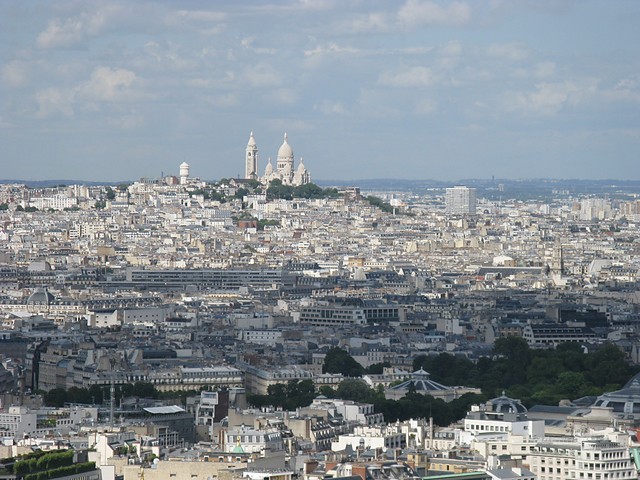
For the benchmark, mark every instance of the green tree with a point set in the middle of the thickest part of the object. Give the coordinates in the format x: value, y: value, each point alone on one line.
x: 56, y: 397
x: 241, y: 193
x: 338, y: 360
x: 357, y: 390
x: 377, y: 368
x: 570, y: 383
x: 607, y: 365
x: 144, y: 390
x: 278, y: 190
x: 379, y: 203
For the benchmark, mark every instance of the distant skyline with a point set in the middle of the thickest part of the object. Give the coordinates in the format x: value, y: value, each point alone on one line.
x: 411, y: 89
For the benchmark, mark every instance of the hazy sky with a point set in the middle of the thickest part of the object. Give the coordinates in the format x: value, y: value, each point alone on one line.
x: 421, y: 89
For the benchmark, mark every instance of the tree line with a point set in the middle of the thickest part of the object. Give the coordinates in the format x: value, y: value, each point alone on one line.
x: 531, y: 375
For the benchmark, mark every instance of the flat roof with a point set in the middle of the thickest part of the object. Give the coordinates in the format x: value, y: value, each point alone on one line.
x: 164, y: 410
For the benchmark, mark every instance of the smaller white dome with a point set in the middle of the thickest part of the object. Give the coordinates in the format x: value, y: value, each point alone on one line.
x: 252, y: 141
x: 269, y: 169
x: 184, y: 165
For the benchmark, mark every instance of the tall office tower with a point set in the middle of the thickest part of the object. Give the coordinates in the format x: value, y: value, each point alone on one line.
x: 251, y: 165
x: 461, y: 200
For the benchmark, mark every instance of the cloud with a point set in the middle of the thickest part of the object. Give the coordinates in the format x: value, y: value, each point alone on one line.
x: 206, y: 22
x: 412, y: 77
x: 108, y: 85
x: 5, y: 124
x: 329, y: 49
x: 70, y: 31
x: 247, y: 43
x: 262, y: 75
x: 416, y: 13
x: 14, y: 74
x: 625, y: 90
x: 370, y: 22
x: 507, y: 51
x: 550, y: 98
x: 52, y: 101
x: 331, y: 108
x: 544, y: 69
x: 129, y: 121
x: 424, y: 107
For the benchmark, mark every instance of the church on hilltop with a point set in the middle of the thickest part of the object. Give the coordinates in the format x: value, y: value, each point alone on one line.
x: 285, y: 170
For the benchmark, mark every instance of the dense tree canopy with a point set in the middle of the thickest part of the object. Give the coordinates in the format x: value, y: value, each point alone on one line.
x: 288, y: 192
x: 289, y: 395
x: 534, y: 376
x: 338, y: 360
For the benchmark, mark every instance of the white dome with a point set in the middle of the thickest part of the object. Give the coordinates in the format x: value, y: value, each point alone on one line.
x: 269, y: 169
x: 252, y: 141
x: 184, y: 165
x: 285, y: 150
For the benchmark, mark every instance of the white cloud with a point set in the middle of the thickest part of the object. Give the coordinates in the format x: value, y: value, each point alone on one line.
x: 424, y: 107
x: 550, y: 98
x: 129, y: 121
x: 105, y: 85
x: 70, y: 31
x: 329, y: 49
x: 412, y: 77
x: 315, y: 4
x: 205, y: 22
x: 451, y: 49
x: 108, y: 85
x: 53, y: 101
x: 223, y: 100
x: 262, y: 75
x: 626, y: 90
x: 416, y: 12
x: 544, y: 69
x: 507, y: 51
x: 331, y: 108
x: 14, y: 74
x: 370, y: 22
x: 248, y: 44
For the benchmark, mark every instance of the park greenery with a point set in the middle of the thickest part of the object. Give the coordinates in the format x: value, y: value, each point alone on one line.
x: 531, y: 375
x: 278, y: 190
x: 43, y: 465
x: 219, y: 191
x: 98, y: 394
x: 379, y: 203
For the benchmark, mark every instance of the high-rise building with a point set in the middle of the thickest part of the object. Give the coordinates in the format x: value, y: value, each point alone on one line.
x: 251, y: 165
x: 460, y: 200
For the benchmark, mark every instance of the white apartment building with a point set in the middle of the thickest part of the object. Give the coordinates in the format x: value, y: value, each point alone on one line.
x: 260, y: 336
x: 370, y: 438
x: 18, y: 422
x: 245, y: 439
x: 598, y: 457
